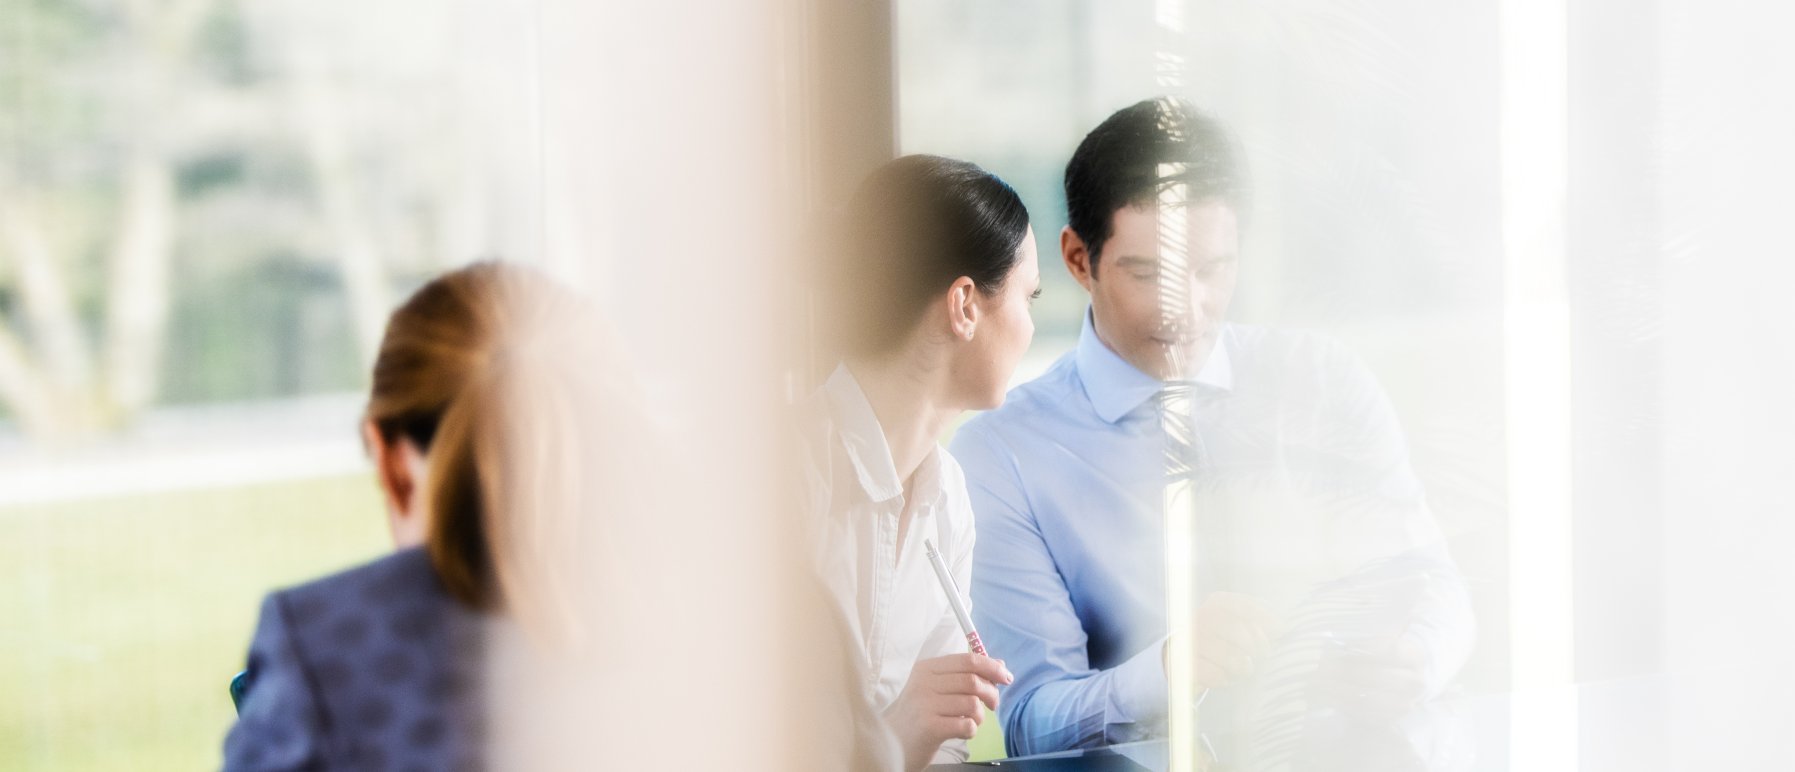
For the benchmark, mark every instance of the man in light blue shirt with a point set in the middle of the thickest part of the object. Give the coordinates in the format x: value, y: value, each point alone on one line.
x: 1305, y: 504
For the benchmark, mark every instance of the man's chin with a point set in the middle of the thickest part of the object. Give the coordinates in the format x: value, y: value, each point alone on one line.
x: 1178, y: 360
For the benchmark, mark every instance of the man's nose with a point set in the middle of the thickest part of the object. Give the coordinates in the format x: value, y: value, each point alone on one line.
x: 1183, y: 307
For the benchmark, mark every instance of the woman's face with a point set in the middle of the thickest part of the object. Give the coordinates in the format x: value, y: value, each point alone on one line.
x: 1003, y: 331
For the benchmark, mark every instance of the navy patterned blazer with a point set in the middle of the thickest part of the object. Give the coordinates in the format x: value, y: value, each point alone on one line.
x: 373, y: 668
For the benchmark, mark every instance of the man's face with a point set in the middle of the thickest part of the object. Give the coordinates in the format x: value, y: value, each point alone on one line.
x: 1156, y: 302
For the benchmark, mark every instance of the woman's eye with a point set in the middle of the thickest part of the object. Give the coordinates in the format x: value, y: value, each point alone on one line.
x: 1036, y: 295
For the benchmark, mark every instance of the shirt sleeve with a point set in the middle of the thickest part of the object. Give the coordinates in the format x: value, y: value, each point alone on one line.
x: 1396, y: 521
x: 278, y: 725
x: 1026, y: 617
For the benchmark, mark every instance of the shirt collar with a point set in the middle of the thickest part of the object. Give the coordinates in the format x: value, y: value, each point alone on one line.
x: 1116, y: 387
x: 864, y: 440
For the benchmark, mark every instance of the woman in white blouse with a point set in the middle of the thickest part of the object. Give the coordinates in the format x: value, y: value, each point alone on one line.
x: 933, y: 273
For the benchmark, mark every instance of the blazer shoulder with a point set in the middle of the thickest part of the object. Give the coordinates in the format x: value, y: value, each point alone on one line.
x: 338, y: 622
x: 382, y: 649
x: 396, y: 579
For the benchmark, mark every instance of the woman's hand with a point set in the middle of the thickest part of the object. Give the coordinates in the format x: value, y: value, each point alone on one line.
x: 945, y: 698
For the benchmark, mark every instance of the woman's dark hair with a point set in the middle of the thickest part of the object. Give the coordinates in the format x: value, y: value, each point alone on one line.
x: 914, y: 226
x: 1141, y: 150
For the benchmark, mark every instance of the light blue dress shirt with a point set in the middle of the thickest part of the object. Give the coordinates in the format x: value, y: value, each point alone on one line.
x: 1067, y: 480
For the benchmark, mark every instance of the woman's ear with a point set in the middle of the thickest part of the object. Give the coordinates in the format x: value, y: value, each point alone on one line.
x: 399, y: 468
x: 962, y: 308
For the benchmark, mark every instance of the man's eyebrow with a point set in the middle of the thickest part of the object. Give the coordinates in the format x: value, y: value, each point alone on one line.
x: 1136, y: 261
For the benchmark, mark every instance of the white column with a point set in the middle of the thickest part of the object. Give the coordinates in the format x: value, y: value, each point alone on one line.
x: 1537, y: 367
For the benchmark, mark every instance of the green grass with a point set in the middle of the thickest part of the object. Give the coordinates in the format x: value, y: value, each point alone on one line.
x: 988, y: 743
x: 122, y: 620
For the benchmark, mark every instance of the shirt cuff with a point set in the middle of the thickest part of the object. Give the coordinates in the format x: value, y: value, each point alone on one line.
x: 1138, y: 689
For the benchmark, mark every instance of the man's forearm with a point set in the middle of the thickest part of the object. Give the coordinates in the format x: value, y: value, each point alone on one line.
x: 1121, y: 704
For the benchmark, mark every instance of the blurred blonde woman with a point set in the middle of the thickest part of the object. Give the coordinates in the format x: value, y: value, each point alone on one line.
x: 474, y: 427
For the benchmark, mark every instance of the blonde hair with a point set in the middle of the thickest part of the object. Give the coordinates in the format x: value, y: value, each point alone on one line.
x: 481, y: 368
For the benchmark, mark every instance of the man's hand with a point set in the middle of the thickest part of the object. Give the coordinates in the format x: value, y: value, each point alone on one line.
x: 1233, y: 632
x: 1379, y: 682
x: 945, y: 698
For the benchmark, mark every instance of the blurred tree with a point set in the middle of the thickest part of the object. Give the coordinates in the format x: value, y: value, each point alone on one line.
x: 170, y: 159
x: 53, y: 381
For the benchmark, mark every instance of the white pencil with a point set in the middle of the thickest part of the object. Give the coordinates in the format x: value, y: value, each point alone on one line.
x: 953, y: 598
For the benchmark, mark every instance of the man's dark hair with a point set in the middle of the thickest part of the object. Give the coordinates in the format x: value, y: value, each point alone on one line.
x: 1119, y: 165
x: 914, y: 226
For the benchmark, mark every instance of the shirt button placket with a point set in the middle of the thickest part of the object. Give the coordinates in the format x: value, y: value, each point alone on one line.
x: 882, y: 588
